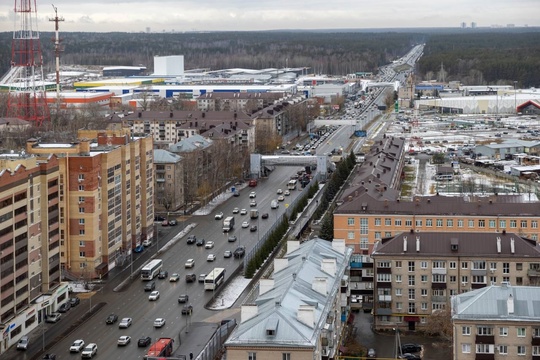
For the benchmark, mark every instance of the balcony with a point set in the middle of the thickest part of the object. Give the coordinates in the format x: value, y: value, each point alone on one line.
x: 535, y: 340
x: 485, y: 339
x: 477, y: 285
x: 533, y: 272
x: 440, y: 285
x: 484, y: 357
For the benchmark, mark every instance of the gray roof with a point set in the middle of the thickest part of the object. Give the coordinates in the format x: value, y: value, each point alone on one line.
x: 439, y: 244
x: 165, y: 157
x: 194, y: 142
x: 491, y: 303
x: 278, y: 307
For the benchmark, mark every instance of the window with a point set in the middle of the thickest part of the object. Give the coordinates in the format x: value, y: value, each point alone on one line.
x: 412, y: 308
x: 439, y: 278
x: 81, y: 187
x: 506, y: 268
x: 423, y: 306
x: 350, y: 235
x: 398, y: 278
x: 521, y: 350
x: 412, y: 295
x: 484, y: 330
x: 399, y: 306
x: 411, y: 266
x: 364, y: 243
x: 388, y: 222
x: 377, y: 221
x: 519, y: 266
x: 81, y: 176
x: 534, y: 224
x: 464, y: 279
x: 364, y: 229
x: 503, y: 349
x: 502, y: 224
x: 492, y: 266
x: 460, y: 223
x: 481, y: 223
x: 411, y: 280
x: 377, y: 235
x: 81, y: 221
x: 492, y: 224
x: 398, y: 292
x: 408, y: 222
x: 452, y: 265
x: 397, y: 222
x: 398, y: 264
x: 82, y: 243
x: 466, y: 348
x: 423, y: 264
x: 521, y: 332
x: 478, y: 265
x: 286, y: 356
x: 464, y: 265
x: 439, y: 265
x: 536, y: 350
x: 485, y: 348
x: 423, y: 292
x: 449, y: 222
x: 423, y: 278
x: 384, y: 277
x: 429, y: 222
x: 503, y: 331
x: 387, y: 234
x: 452, y: 278
x: 465, y: 330
x: 252, y: 356
x: 471, y: 223
x: 513, y: 224
x: 82, y: 254
x: 439, y: 222
x: 350, y: 221
x: 81, y: 199
x: 81, y: 232
x: 383, y: 264
x: 523, y: 223
x: 419, y: 223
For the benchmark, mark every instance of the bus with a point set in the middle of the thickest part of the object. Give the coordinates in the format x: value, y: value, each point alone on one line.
x: 214, y: 279
x: 150, y: 270
x: 163, y: 347
x: 292, y: 184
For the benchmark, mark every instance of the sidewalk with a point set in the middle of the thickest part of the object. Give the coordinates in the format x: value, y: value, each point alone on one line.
x: 194, y: 338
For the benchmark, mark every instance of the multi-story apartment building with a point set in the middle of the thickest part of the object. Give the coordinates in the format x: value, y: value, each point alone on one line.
x: 497, y: 322
x: 30, y: 275
x: 417, y: 273
x: 237, y: 101
x: 106, y: 196
x: 169, y: 180
x: 301, y: 312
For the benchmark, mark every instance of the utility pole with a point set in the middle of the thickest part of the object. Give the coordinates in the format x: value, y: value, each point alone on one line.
x: 57, y: 51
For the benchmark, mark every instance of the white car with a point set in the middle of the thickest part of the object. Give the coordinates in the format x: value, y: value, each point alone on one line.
x: 253, y: 203
x: 279, y: 191
x: 287, y: 193
x: 243, y: 212
x: 236, y: 210
x: 252, y: 195
x: 77, y: 346
x: 219, y: 216
x: 154, y: 295
x: 174, y: 277
x: 209, y: 245
x: 189, y: 263
x: 159, y: 322
x: 211, y: 257
x: 245, y: 224
x: 124, y: 340
x: 89, y: 351
x: 125, y: 323
x: 281, y: 198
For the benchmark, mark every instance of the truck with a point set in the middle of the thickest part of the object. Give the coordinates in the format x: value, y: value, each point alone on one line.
x: 252, y: 183
x: 254, y: 213
x: 228, y: 224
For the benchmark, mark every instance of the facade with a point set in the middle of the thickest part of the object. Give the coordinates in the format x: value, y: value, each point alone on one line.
x: 169, y: 180
x: 106, y: 190
x: 237, y: 101
x: 301, y: 311
x: 416, y: 274
x: 497, y: 322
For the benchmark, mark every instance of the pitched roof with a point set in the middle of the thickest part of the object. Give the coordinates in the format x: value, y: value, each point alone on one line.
x: 165, y: 157
x: 492, y: 303
x: 194, y: 142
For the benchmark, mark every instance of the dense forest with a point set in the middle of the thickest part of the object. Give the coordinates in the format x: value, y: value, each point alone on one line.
x: 472, y: 57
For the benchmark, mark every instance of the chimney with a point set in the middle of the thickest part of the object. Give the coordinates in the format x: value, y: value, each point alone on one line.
x: 84, y: 147
x: 171, y: 114
x: 498, y: 245
x: 306, y: 315
x: 329, y: 266
x: 418, y: 244
x: 247, y: 312
x: 404, y: 244
x: 512, y: 246
x: 319, y: 285
x: 265, y: 285
x: 339, y: 245
x: 510, y: 304
x: 280, y: 264
x: 292, y: 246
x: 140, y: 114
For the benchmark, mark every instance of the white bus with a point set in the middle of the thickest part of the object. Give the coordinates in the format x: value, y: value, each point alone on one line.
x: 292, y: 184
x: 214, y: 279
x: 150, y: 270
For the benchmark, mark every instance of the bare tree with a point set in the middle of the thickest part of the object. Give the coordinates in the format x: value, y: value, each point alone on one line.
x: 440, y: 323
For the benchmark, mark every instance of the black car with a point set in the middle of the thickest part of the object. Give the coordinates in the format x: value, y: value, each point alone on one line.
x: 191, y: 239
x: 74, y: 301
x: 409, y: 356
x: 159, y: 218
x: 163, y: 274
x: 49, y: 357
x: 264, y: 216
x: 151, y: 286
x: 64, y: 307
x: 182, y: 299
x: 144, y: 341
x: 187, y: 310
x: 410, y: 348
x: 200, y: 242
x: 190, y: 278
x: 253, y: 228
x: 111, y: 319
x: 239, y: 252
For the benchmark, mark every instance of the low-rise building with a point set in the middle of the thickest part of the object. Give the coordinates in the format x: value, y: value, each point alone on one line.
x: 497, y: 322
x: 169, y: 180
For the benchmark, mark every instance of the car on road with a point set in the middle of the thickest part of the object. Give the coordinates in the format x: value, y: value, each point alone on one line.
x: 89, y: 351
x: 239, y: 252
x: 74, y: 301
x: 159, y: 218
x: 202, y: 277
x: 245, y: 225
x: 111, y: 319
x: 54, y: 317
x: 227, y: 254
x: 200, y: 242
x: 243, y: 212
x: 253, y: 228
x: 411, y: 348
x: 182, y: 299
x: 173, y: 222
x: 144, y: 341
x: 279, y: 191
x: 174, y: 277
x: 190, y: 277
x: 124, y: 340
x: 236, y: 193
x: 165, y: 223
x: 264, y: 216
x: 232, y: 238
x: 187, y: 309
x: 159, y: 322
x: 287, y: 193
x: 150, y: 286
x: 209, y: 245
x: 252, y: 203
x: 280, y: 198
x: 189, y: 263
x: 409, y: 356
x: 138, y: 249
x: 211, y: 257
x: 219, y: 216
x: 23, y: 343
x: 235, y: 210
x: 125, y: 323
x: 191, y: 239
x: 371, y: 353
x: 49, y: 357
x: 163, y: 274
x: 77, y: 346
x: 252, y: 195
x: 64, y: 307
x: 154, y: 295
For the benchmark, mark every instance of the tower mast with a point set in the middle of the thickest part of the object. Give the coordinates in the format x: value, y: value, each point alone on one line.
x: 57, y: 51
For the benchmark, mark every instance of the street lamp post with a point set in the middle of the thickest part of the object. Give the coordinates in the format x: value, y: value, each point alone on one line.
x: 515, y: 97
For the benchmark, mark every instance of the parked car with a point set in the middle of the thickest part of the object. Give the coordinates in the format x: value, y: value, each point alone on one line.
x: 159, y: 323
x: 89, y: 351
x: 187, y: 309
x: 191, y: 239
x: 22, y: 344
x: 189, y: 263
x: 159, y: 218
x: 173, y: 222
x: 165, y: 223
x: 125, y: 323
x: 150, y: 286
x: 111, y: 319
x: 409, y: 356
x: 174, y: 277
x: 52, y: 318
x: 64, y: 307
x: 124, y: 340
x: 411, y: 348
x: 154, y: 295
x: 182, y: 299
x: 190, y: 278
x: 139, y: 249
x: 74, y: 301
x: 77, y: 346
x: 144, y: 341
x: 236, y: 193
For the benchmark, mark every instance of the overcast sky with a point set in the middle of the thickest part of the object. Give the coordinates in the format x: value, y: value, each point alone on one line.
x: 245, y: 15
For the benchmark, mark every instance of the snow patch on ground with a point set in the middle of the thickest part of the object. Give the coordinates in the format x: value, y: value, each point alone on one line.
x: 228, y: 296
x: 218, y: 200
